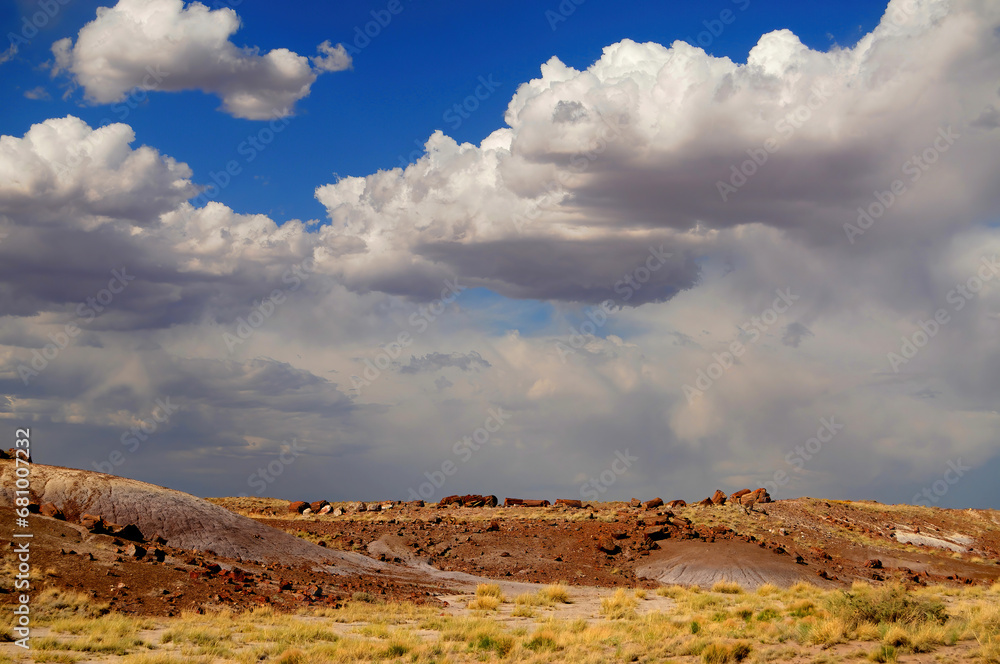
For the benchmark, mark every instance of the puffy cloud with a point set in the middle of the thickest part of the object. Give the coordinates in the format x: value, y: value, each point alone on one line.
x: 331, y: 58
x: 599, y: 177
x: 77, y: 202
x: 167, y: 46
x: 656, y: 145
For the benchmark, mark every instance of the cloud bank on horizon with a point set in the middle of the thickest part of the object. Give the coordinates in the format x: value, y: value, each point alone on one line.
x: 781, y: 272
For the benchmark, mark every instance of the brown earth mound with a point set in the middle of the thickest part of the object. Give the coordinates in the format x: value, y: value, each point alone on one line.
x: 185, y: 521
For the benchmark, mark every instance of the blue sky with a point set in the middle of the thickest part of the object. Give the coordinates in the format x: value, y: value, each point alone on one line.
x: 755, y: 188
x: 428, y: 58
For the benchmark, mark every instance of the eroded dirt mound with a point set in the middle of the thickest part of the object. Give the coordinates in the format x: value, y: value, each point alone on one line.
x: 185, y: 521
x: 703, y: 564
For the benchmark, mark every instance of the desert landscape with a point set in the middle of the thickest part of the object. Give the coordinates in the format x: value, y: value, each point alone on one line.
x: 535, y: 331
x: 131, y: 572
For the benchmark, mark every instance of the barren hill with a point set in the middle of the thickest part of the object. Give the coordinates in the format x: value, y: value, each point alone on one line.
x: 185, y: 521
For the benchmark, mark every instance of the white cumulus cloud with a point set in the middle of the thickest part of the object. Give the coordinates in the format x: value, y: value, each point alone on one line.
x: 169, y: 46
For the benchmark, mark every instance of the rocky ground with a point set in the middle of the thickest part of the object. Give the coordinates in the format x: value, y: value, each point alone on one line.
x: 610, y: 544
x: 154, y: 551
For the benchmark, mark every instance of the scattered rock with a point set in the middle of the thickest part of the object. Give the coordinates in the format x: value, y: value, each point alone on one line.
x: 318, y: 505
x: 608, y: 546
x: 135, y: 551
x: 129, y: 532
x: 718, y: 498
x: 298, y: 506
x: 735, y: 497
x: 874, y: 563
x: 94, y: 524
x: 569, y: 503
x: 12, y: 454
x: 656, y: 532
x: 653, y: 504
x: 50, y: 510
x: 705, y: 503
x: 676, y: 503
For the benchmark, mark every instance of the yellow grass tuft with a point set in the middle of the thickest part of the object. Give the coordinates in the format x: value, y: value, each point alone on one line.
x: 828, y: 632
x: 727, y: 587
x: 556, y: 593
x: 619, y: 606
x: 768, y: 590
x: 721, y: 653
x: 485, y: 603
x: 489, y: 590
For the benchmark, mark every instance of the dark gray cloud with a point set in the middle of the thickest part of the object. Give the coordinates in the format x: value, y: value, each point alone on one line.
x: 431, y: 362
x: 794, y: 334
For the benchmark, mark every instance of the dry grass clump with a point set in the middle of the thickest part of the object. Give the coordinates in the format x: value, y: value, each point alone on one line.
x: 53, y: 601
x: 486, y: 603
x: 489, y: 597
x: 675, y: 591
x: 768, y: 590
x: 890, y: 603
x: 555, y: 593
x: 619, y: 606
x: 727, y: 588
x: 720, y: 653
